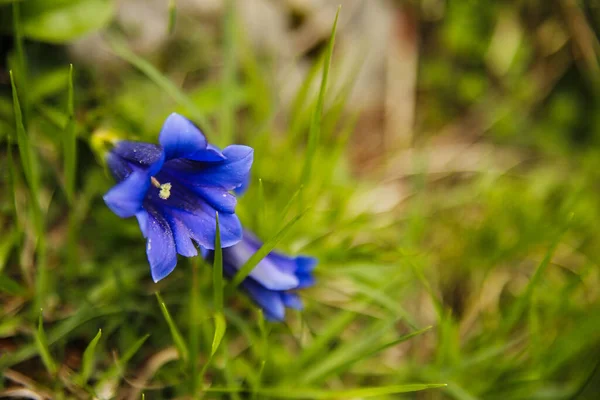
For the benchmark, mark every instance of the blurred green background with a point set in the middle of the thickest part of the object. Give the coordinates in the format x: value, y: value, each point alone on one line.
x: 454, y: 185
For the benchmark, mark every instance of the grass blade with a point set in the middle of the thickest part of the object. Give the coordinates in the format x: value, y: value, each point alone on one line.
x: 163, y: 82
x: 87, y: 363
x: 315, y: 124
x: 21, y: 61
x: 265, y: 249
x: 194, y: 327
x: 345, y: 356
x: 172, y: 16
x: 25, y: 149
x: 220, y: 327
x: 70, y: 147
x: 317, y: 394
x: 227, y: 127
x: 175, y: 334
x: 42, y: 344
x: 31, y: 175
x: 218, y: 270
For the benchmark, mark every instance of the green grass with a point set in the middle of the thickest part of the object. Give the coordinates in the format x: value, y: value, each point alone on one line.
x: 454, y: 283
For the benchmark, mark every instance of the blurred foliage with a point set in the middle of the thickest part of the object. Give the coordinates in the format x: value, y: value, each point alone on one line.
x: 500, y: 258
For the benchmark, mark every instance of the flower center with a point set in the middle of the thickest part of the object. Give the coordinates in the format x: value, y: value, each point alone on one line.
x: 165, y: 188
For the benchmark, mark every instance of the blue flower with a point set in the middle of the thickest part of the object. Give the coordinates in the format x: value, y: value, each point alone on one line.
x: 272, y: 283
x: 174, y: 189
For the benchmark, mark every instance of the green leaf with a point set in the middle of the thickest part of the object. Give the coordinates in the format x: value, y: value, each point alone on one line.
x: 265, y: 249
x: 315, y: 124
x: 87, y: 363
x: 61, y: 21
x: 42, y: 345
x: 220, y: 327
x: 218, y: 269
x: 175, y: 334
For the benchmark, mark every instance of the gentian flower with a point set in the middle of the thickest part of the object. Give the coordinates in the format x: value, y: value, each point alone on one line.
x: 272, y: 283
x: 175, y: 189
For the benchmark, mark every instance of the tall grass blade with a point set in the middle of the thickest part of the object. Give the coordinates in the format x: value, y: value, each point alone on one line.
x: 163, y: 82
x: 317, y: 394
x: 175, y: 334
x: 265, y: 249
x: 22, y: 68
x: 172, y: 16
x: 229, y: 74
x: 70, y: 148
x: 315, y: 124
x: 345, y: 356
x: 30, y: 169
x: 87, y: 363
x: 218, y: 270
x: 220, y: 327
x: 194, y: 327
x: 42, y: 344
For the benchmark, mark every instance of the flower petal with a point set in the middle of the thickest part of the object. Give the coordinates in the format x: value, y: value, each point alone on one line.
x: 228, y: 174
x: 119, y: 168
x: 292, y: 300
x: 267, y: 273
x: 183, y: 241
x: 125, y: 198
x: 201, y: 224
x: 142, y: 155
x: 220, y: 199
x: 142, y: 217
x: 270, y: 301
x: 180, y: 138
x: 160, y: 247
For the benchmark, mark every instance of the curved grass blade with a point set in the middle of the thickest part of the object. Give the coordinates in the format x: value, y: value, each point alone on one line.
x: 163, y: 82
x: 42, y: 344
x: 315, y: 124
x: 175, y: 334
x: 317, y: 394
x: 266, y: 248
x: 87, y: 363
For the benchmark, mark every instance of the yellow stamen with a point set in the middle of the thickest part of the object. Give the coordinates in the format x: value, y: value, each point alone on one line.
x: 165, y: 191
x: 165, y: 188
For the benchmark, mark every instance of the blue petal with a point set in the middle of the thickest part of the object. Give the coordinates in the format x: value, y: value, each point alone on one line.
x: 239, y: 191
x: 125, y: 198
x: 160, y: 247
x: 142, y: 155
x: 220, y: 199
x: 270, y: 301
x: 180, y: 138
x: 211, y: 154
x: 142, y: 217
x: 183, y: 242
x: 292, y: 300
x: 201, y: 224
x: 228, y: 174
x: 305, y: 264
x: 305, y: 281
x: 266, y: 272
x: 119, y: 168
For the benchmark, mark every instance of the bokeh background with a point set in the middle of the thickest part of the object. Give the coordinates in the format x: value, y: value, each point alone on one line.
x: 455, y: 186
